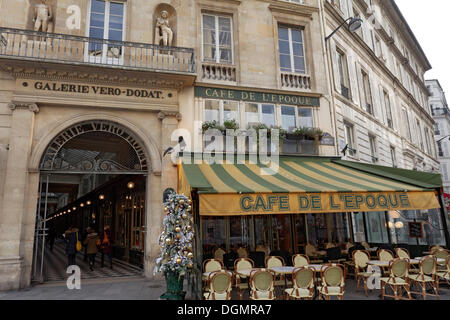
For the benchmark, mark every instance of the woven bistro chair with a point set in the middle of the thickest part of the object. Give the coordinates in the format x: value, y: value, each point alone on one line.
x: 332, y: 282
x: 303, y: 284
x: 441, y: 254
x: 275, y: 261
x: 211, y: 265
x: 387, y: 256
x: 219, y: 286
x: 329, y: 245
x: 398, y: 279
x: 360, y: 259
x: 427, y: 277
x: 444, y: 275
x: 242, y: 264
x: 242, y: 252
x: 403, y: 253
x: 300, y: 260
x: 435, y: 248
x: 365, y: 245
x: 218, y: 254
x: 262, y: 285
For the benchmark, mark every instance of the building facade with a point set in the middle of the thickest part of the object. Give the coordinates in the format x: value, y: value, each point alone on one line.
x: 94, y: 92
x: 441, y: 116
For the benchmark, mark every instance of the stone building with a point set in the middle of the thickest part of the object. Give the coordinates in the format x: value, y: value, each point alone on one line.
x: 441, y: 115
x: 94, y: 92
x: 379, y: 92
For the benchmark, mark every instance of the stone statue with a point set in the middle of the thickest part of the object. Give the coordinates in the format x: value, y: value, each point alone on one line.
x: 43, y: 17
x: 163, y: 31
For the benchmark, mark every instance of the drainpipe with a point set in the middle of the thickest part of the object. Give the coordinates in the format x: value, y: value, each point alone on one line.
x: 329, y: 75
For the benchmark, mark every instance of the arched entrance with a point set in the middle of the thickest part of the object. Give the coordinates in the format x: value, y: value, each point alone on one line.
x: 92, y: 174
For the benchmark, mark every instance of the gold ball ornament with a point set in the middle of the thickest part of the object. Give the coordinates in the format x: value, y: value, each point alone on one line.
x: 184, y: 216
x: 182, y: 202
x: 166, y: 209
x: 190, y: 265
x: 190, y: 201
x: 178, y: 260
x: 189, y: 228
x: 189, y: 208
x: 179, y: 236
x: 168, y: 241
x: 190, y: 255
x: 177, y: 229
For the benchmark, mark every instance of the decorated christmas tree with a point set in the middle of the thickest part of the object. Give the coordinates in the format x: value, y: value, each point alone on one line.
x: 176, y: 259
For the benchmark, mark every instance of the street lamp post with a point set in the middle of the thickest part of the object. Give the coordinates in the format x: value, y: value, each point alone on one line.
x: 353, y: 26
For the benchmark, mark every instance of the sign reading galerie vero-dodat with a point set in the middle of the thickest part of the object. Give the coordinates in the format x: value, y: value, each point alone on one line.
x: 80, y: 89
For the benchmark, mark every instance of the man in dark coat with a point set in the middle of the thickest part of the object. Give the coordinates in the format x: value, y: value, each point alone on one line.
x: 106, y: 245
x: 71, y: 245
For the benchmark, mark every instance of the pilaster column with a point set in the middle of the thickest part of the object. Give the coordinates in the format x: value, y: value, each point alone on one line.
x: 15, y: 193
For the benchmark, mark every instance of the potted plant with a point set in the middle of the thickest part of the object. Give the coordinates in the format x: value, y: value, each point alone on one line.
x: 176, y: 258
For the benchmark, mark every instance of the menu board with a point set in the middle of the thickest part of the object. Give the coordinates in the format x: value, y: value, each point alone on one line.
x: 415, y: 230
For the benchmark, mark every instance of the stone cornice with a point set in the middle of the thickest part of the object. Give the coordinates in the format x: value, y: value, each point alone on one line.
x: 291, y: 8
x: 33, y: 107
x: 164, y: 114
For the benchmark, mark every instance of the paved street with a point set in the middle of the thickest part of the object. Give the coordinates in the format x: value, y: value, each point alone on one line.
x: 139, y: 288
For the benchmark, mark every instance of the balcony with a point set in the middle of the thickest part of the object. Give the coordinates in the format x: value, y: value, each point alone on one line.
x: 51, y: 48
x: 297, y: 81
x: 218, y: 72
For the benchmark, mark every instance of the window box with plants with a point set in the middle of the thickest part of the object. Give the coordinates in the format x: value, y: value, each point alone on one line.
x: 214, y: 129
x: 302, y: 141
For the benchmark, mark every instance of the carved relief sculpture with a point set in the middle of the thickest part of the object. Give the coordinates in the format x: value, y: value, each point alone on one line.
x: 43, y: 16
x: 163, y: 32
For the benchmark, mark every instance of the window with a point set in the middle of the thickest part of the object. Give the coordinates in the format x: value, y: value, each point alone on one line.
x: 393, y: 158
x: 217, y: 39
x: 373, y: 148
x: 440, y: 150
x: 221, y: 111
x: 260, y: 113
x: 419, y: 132
x: 387, y: 104
x: 291, y: 49
x: 367, y: 93
x: 408, y: 127
x: 378, y: 48
x: 436, y: 129
x: 107, y: 20
x: 295, y: 117
x: 350, y: 139
x: 343, y: 74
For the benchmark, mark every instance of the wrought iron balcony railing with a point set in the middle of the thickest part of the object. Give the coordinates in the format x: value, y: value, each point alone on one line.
x: 62, y: 48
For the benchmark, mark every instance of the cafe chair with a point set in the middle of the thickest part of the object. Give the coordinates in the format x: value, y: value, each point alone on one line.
x: 218, y: 254
x: 262, y: 248
x: 403, y: 253
x: 329, y: 245
x: 242, y: 252
x: 332, y: 282
x: 219, y: 286
x: 275, y: 261
x: 441, y: 254
x: 444, y: 275
x: 262, y: 285
x: 365, y: 245
x: 387, y: 256
x: 242, y: 264
x: 360, y: 260
x: 435, y: 248
x: 300, y: 260
x: 303, y: 284
x: 427, y: 278
x: 211, y: 265
x: 398, y: 279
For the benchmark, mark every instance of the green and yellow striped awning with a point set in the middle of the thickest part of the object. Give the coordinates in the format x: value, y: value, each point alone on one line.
x: 297, y: 185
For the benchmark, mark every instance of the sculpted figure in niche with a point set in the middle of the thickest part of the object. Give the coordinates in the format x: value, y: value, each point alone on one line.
x: 42, y: 17
x: 163, y: 31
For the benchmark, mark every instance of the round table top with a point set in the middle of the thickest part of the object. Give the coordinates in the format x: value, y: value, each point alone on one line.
x: 283, y: 270
x: 206, y: 274
x: 316, y: 267
x: 245, y: 272
x: 379, y: 263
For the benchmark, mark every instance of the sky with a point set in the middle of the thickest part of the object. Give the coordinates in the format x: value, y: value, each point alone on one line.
x: 430, y: 22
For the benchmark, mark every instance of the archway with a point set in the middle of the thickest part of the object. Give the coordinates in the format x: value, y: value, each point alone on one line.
x: 92, y: 174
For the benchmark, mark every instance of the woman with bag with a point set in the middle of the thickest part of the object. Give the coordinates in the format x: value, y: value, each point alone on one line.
x: 91, y: 242
x: 72, y: 245
x: 106, y: 245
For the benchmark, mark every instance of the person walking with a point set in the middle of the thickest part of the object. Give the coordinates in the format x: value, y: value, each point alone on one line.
x: 91, y: 246
x: 106, y: 246
x: 71, y: 245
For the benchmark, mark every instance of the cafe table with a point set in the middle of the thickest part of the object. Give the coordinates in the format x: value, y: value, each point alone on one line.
x: 283, y: 271
x: 207, y: 274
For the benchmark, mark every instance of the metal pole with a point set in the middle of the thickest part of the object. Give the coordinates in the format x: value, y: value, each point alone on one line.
x: 36, y: 243
x: 44, y: 227
x: 386, y: 217
x: 444, y: 218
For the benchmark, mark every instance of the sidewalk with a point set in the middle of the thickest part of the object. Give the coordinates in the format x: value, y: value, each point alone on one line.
x: 132, y: 288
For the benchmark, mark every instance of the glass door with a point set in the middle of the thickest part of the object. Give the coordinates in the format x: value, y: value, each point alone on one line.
x: 107, y: 20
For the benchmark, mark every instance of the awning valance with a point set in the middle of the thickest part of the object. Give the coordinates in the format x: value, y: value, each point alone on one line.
x: 297, y: 185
